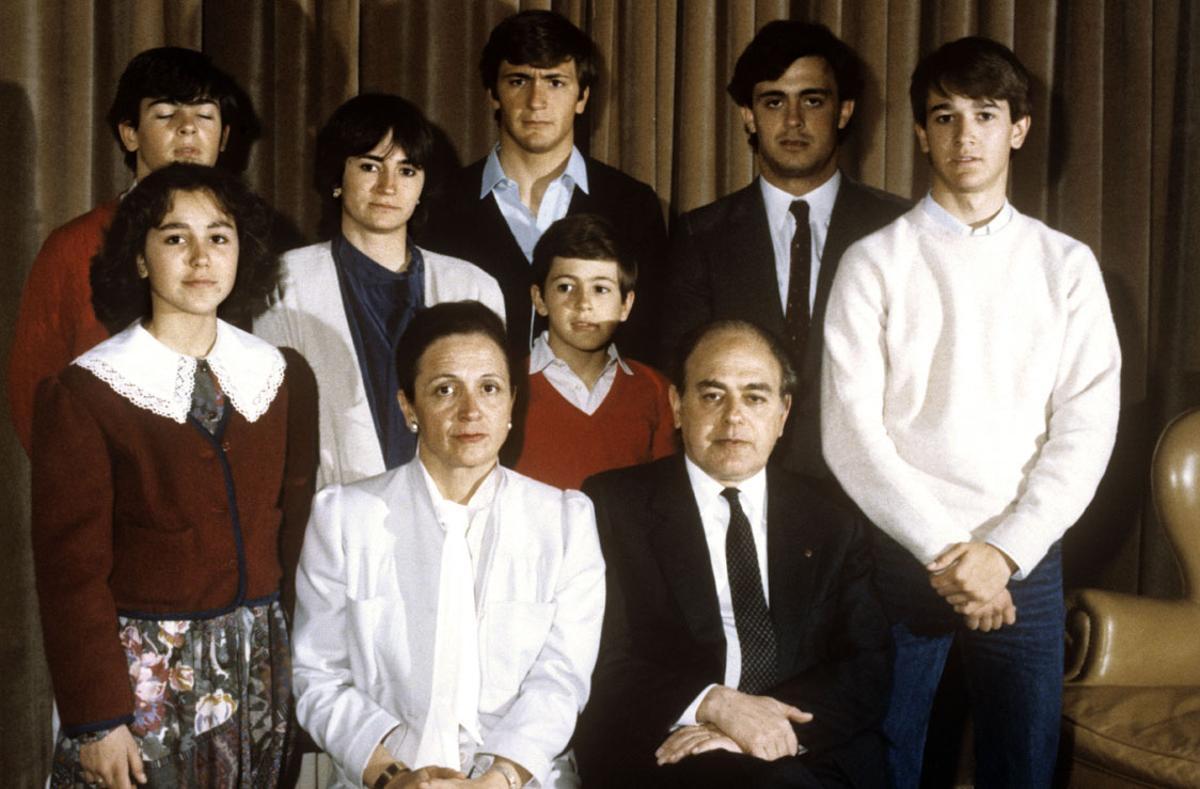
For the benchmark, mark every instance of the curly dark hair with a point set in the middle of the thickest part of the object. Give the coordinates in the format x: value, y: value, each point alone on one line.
x: 120, y: 296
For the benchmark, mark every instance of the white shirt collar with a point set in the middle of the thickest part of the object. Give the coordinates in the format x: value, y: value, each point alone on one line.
x: 542, y: 356
x: 820, y: 201
x: 939, y: 214
x: 752, y: 491
x: 153, y: 377
x: 493, y: 172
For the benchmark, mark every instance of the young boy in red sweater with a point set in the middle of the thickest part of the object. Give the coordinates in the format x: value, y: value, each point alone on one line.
x: 584, y: 408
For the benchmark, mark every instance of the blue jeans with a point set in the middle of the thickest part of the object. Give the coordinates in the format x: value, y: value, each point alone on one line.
x: 1014, y: 674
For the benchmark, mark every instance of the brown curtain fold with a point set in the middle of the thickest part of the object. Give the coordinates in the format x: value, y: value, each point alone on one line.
x: 1112, y: 158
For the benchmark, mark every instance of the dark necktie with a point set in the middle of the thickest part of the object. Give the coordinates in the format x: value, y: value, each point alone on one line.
x: 797, y: 317
x: 750, y: 613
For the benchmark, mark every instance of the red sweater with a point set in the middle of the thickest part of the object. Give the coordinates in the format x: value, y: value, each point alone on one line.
x: 562, y: 446
x: 136, y: 514
x: 55, y: 322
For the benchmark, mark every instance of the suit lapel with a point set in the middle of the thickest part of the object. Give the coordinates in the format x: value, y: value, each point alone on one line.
x: 844, y: 227
x: 752, y: 257
x: 790, y: 557
x: 678, y: 540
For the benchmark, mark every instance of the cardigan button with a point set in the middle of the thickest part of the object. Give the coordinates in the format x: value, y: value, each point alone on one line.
x: 225, y: 446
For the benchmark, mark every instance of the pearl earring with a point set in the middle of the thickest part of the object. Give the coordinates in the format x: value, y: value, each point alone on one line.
x: 337, y: 192
x: 413, y: 427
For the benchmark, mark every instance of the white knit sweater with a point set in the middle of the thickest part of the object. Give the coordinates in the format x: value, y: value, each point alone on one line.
x: 970, y: 386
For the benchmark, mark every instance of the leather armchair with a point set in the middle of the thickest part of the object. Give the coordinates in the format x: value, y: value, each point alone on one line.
x: 1131, y: 704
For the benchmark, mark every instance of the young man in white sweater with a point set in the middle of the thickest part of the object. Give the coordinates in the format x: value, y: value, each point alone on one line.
x: 970, y: 391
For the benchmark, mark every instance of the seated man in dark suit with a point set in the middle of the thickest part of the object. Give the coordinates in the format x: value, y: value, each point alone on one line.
x: 742, y: 646
x: 538, y: 69
x: 763, y: 253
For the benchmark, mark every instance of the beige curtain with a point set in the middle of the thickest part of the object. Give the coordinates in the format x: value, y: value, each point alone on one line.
x: 1108, y: 160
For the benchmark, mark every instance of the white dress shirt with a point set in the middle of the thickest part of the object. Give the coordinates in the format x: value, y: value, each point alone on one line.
x: 559, y: 374
x: 714, y: 516
x: 524, y: 225
x: 783, y: 227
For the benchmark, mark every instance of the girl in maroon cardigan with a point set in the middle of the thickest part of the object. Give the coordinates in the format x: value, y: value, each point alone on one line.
x: 163, y: 474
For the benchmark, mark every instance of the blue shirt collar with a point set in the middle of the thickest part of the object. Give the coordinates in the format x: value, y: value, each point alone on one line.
x: 493, y: 172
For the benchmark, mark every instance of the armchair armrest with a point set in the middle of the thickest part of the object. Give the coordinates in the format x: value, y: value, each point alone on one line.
x: 1120, y: 639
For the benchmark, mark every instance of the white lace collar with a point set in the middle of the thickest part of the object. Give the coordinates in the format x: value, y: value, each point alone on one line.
x: 152, y: 376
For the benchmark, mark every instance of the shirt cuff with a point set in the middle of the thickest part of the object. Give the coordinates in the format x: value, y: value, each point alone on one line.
x: 688, y: 718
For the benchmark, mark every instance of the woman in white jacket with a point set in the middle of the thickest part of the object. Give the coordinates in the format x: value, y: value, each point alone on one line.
x: 448, y: 611
x: 344, y: 304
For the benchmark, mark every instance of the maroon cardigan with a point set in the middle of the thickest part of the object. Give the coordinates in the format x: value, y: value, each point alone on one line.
x: 139, y: 515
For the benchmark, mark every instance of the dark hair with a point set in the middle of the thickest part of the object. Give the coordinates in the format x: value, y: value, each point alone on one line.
x: 541, y: 39
x: 443, y: 320
x: 120, y: 296
x: 692, y: 340
x: 975, y: 67
x: 354, y: 129
x: 587, y: 237
x: 783, y: 42
x: 177, y: 75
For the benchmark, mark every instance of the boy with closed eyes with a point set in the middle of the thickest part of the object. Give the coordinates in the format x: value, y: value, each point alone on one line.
x: 172, y: 105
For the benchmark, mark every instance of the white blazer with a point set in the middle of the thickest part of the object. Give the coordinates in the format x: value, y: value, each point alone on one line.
x: 366, y: 611
x: 308, y: 315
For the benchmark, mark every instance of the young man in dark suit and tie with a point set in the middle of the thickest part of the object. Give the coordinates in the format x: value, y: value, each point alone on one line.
x: 742, y: 645
x: 538, y: 69
x: 768, y: 252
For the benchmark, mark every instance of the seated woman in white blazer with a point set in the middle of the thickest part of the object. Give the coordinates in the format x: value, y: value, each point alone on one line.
x: 344, y: 303
x: 448, y: 611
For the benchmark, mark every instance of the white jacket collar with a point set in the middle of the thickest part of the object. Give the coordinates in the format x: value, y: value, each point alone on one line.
x: 152, y: 376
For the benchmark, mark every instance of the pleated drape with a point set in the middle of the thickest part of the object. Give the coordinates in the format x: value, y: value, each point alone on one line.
x: 1113, y: 158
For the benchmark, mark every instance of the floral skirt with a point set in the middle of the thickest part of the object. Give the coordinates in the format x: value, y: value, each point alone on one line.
x: 212, y: 700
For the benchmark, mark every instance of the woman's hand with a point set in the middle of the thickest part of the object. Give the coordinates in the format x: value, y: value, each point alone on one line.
x: 112, y: 760
x: 494, y: 778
